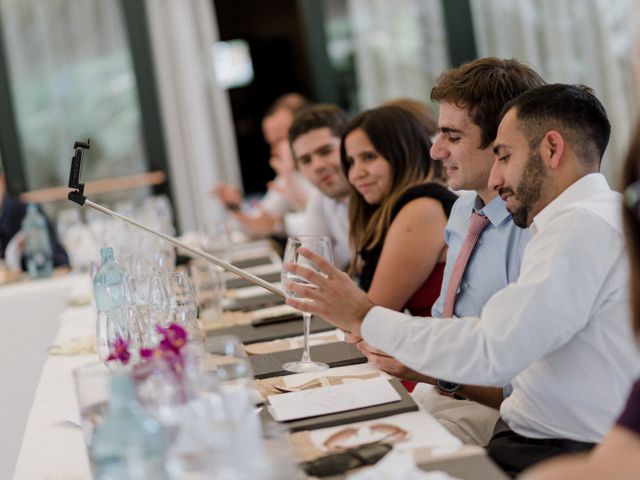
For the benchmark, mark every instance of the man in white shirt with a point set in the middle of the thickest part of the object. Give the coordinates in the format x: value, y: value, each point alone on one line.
x: 314, y: 137
x: 288, y: 192
x: 560, y: 333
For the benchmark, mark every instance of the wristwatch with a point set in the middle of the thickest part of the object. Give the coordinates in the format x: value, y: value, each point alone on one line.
x: 448, y: 388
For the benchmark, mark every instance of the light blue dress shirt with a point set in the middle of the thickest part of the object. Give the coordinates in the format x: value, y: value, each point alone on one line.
x: 495, y: 261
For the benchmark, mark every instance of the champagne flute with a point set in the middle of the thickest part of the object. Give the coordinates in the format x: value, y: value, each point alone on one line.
x: 321, y: 246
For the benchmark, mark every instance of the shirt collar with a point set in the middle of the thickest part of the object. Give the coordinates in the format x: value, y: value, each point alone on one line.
x: 495, y: 210
x: 578, y: 190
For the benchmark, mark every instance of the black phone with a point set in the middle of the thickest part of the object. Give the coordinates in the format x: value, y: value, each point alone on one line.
x: 76, y: 171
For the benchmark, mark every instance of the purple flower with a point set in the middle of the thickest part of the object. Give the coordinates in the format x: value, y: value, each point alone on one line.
x: 120, y: 351
x: 174, y: 337
x: 147, y: 352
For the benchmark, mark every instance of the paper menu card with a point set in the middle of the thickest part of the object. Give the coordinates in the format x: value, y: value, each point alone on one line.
x: 348, y: 370
x: 333, y: 399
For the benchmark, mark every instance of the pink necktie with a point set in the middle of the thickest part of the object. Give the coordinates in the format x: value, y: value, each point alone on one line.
x: 478, y: 222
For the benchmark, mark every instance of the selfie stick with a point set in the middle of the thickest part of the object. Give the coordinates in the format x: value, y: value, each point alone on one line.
x: 78, y: 197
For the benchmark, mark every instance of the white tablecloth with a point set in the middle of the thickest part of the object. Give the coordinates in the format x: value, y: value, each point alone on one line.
x: 53, y: 444
x: 30, y: 315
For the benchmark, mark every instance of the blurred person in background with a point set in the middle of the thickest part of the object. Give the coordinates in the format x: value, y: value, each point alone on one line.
x: 12, y: 240
x: 314, y: 137
x: 288, y: 192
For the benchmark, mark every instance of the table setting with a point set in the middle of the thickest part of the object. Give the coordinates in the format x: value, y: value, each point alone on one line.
x: 217, y: 389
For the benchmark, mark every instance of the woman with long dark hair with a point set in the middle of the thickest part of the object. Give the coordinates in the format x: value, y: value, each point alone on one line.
x: 397, y: 209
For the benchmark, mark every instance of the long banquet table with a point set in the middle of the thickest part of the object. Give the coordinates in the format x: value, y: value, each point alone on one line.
x: 30, y: 315
x: 52, y: 446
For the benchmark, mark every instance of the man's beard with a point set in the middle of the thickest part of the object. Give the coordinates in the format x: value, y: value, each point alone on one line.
x: 529, y: 189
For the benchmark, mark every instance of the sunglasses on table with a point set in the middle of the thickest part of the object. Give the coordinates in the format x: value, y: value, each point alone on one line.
x: 350, y: 456
x: 337, y: 463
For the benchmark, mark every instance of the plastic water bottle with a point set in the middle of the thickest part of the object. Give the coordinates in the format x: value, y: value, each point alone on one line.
x: 38, y: 252
x: 129, y: 444
x: 110, y: 274
x: 109, y: 292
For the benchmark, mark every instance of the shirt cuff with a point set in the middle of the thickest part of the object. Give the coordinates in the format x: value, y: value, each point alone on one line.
x: 375, y: 326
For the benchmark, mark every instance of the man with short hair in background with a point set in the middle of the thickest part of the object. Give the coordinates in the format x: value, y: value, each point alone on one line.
x: 314, y: 137
x: 288, y: 192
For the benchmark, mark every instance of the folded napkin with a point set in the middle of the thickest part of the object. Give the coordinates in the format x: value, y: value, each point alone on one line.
x: 399, y: 466
x: 75, y: 346
x: 81, y: 293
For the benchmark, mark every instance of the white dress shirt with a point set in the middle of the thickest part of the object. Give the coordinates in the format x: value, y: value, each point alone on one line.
x: 560, y: 334
x: 329, y: 217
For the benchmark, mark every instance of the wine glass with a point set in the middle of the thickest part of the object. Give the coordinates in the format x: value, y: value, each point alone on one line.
x: 321, y: 246
x: 149, y: 292
x: 183, y: 305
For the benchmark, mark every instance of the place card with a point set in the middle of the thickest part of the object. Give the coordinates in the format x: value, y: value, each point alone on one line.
x: 333, y: 399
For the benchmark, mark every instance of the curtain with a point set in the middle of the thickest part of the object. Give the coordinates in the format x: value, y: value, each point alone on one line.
x: 196, y: 112
x: 400, y: 48
x: 72, y: 78
x: 593, y: 42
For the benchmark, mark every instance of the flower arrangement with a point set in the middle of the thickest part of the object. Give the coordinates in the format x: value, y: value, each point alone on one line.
x: 120, y: 351
x: 166, y: 363
x: 172, y: 339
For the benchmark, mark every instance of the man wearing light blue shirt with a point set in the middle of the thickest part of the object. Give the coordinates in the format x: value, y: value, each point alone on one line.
x: 496, y: 258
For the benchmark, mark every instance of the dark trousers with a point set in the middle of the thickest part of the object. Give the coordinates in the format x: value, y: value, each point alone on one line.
x: 514, y: 453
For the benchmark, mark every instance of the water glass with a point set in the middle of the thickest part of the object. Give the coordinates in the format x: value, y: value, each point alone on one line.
x: 209, y: 284
x: 216, y: 240
x: 111, y: 326
x: 320, y: 246
x: 183, y: 306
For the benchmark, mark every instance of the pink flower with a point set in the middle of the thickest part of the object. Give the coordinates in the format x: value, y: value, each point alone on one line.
x: 120, y: 351
x: 147, y: 352
x: 174, y: 338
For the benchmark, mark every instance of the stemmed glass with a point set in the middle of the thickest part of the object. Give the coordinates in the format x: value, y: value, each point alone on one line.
x: 183, y: 304
x: 321, y: 246
x: 149, y: 292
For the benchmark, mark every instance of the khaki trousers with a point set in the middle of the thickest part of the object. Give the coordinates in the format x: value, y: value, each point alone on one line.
x: 471, y: 422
